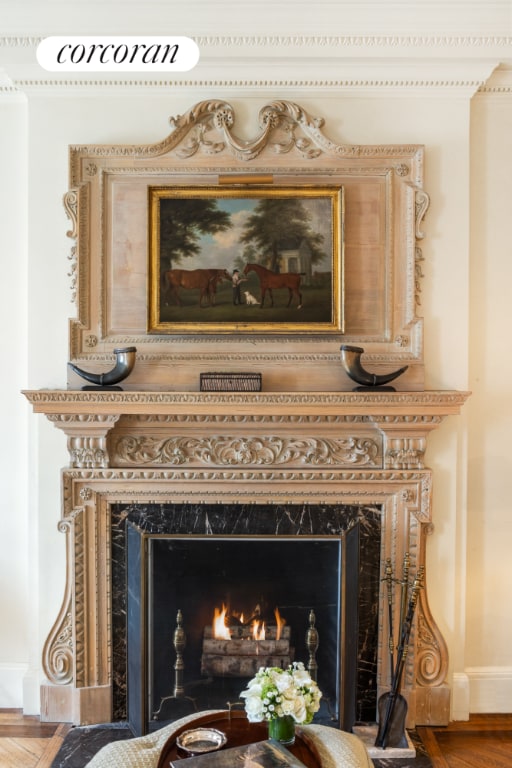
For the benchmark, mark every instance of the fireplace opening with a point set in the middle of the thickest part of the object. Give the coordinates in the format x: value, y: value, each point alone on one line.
x: 245, y: 603
x: 277, y: 575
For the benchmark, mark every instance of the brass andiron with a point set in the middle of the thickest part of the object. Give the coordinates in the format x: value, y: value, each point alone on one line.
x: 312, y: 646
x: 351, y: 361
x: 179, y: 643
x: 125, y: 360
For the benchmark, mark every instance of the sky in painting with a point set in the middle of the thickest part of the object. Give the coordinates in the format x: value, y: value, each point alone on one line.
x: 224, y: 250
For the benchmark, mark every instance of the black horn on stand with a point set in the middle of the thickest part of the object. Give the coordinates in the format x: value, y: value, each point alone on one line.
x: 351, y: 361
x: 125, y: 360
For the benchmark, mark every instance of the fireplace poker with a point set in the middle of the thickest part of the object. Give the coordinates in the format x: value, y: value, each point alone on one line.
x: 389, y: 581
x: 405, y: 587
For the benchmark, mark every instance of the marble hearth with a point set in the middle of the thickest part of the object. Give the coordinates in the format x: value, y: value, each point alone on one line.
x: 172, y: 448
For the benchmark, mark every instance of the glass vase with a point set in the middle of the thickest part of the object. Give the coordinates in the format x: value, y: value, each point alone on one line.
x: 282, y: 729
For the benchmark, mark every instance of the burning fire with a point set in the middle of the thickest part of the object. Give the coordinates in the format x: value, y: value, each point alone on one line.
x: 258, y: 630
x: 255, y: 628
x: 280, y: 622
x: 220, y: 629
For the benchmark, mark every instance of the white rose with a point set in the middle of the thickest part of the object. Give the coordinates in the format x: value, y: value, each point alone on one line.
x: 284, y: 683
x: 302, y: 677
x: 300, y: 713
x: 254, y: 709
x: 288, y: 706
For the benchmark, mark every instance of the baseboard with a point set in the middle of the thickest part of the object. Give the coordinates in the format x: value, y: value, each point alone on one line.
x: 11, y: 685
x: 490, y: 689
x: 460, y: 697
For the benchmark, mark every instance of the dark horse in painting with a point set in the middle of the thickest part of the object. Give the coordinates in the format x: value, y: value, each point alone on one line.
x: 270, y: 280
x: 204, y: 280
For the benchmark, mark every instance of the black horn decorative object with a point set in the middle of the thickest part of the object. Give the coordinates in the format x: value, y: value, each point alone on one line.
x: 125, y: 360
x: 351, y: 360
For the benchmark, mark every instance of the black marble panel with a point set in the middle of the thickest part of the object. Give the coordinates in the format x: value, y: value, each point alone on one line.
x: 311, y: 520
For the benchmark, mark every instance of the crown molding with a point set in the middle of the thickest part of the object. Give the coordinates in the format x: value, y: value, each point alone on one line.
x: 368, y: 66
x: 321, y: 44
x: 248, y: 88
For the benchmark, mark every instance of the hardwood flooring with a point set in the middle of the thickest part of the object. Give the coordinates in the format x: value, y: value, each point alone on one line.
x: 484, y: 741
x: 25, y: 742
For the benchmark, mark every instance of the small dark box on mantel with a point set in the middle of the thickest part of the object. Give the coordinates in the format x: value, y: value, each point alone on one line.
x: 230, y: 382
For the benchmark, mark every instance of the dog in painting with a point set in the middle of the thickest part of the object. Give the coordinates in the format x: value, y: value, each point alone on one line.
x: 249, y: 298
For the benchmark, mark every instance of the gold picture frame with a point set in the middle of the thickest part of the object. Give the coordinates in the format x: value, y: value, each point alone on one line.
x: 245, y: 259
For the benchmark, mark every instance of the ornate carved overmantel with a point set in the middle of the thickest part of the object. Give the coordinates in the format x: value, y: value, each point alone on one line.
x: 269, y: 447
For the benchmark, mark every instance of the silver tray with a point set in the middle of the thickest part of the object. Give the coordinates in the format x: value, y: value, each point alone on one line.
x: 197, y: 741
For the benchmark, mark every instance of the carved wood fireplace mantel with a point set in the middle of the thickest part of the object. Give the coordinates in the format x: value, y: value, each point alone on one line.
x: 305, y: 439
x: 268, y: 447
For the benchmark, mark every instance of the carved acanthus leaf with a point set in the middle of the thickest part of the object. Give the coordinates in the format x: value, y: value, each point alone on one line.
x: 259, y: 451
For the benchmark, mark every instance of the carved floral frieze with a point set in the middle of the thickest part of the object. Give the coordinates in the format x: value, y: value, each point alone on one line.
x: 259, y: 451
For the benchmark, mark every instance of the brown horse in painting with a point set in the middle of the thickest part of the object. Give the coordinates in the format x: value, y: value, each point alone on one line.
x: 269, y: 280
x: 204, y: 280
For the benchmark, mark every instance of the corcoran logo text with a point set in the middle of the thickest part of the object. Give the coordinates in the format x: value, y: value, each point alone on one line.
x: 117, y: 54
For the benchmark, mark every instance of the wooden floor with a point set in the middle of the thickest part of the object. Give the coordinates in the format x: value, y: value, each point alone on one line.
x: 26, y: 743
x: 484, y: 741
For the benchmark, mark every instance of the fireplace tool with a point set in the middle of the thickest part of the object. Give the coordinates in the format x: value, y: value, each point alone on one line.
x: 392, y: 705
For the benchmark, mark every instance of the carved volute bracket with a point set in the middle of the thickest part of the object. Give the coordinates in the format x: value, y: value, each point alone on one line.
x: 59, y: 649
x: 87, y: 438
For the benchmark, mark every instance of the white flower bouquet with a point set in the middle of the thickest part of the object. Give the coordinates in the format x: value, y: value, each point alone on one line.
x: 276, y: 692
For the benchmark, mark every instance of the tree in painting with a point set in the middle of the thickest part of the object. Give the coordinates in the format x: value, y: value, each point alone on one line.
x: 277, y: 223
x: 182, y: 222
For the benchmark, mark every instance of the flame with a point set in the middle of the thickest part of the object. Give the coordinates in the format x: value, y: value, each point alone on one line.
x: 220, y: 630
x: 258, y: 630
x: 280, y: 622
x: 255, y: 628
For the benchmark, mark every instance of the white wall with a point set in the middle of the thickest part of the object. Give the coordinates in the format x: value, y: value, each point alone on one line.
x: 463, y: 300
x: 14, y: 513
x: 488, y: 650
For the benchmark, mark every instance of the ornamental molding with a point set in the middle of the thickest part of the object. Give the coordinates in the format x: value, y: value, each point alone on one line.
x: 471, y: 85
x: 278, y: 122
x: 202, y: 419
x: 320, y: 41
x: 120, y: 400
x: 259, y: 451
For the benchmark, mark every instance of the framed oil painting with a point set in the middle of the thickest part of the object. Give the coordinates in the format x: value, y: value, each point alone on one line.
x: 245, y: 259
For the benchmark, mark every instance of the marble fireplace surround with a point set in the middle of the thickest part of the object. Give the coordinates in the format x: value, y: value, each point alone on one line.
x: 235, y: 448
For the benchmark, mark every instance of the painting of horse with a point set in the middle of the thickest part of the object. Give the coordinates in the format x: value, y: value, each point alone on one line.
x: 203, y: 280
x: 270, y: 280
